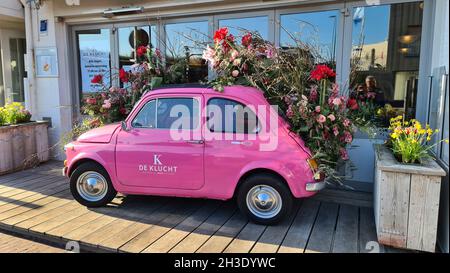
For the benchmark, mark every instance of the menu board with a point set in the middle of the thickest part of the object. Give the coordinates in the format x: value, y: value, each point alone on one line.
x: 94, y: 62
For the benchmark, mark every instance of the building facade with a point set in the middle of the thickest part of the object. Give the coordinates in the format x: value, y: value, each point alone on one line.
x: 402, y: 43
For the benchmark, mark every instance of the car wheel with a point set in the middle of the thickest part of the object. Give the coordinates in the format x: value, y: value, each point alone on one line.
x: 91, y: 186
x: 264, y: 198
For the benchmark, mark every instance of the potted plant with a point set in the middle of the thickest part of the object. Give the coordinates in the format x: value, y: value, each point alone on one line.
x: 23, y: 143
x: 407, y: 187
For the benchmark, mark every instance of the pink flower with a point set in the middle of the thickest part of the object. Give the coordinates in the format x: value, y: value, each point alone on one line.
x: 346, y: 122
x: 290, y: 112
x: 270, y: 53
x: 313, y: 95
x: 348, y: 138
x: 234, y: 55
x: 335, y: 131
x: 321, y: 119
x: 235, y: 73
x: 344, y: 154
x: 317, y: 109
x: 337, y: 101
x: 331, y: 117
x: 106, y: 104
x: 209, y: 55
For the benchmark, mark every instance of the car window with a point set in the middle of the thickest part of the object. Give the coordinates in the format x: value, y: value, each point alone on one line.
x: 163, y: 112
x: 146, y: 118
x: 229, y: 116
x: 184, y: 110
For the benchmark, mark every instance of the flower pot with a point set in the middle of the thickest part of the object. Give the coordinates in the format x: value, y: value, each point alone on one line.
x: 22, y: 145
x: 406, y: 201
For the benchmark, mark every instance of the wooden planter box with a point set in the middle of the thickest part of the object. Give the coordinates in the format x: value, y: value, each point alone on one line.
x: 406, y: 201
x: 23, y: 145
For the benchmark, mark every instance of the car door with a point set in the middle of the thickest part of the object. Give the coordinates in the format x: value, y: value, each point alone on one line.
x: 231, y: 141
x: 163, y: 147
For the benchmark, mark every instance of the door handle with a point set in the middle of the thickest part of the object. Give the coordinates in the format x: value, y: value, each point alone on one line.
x: 244, y: 143
x: 196, y: 141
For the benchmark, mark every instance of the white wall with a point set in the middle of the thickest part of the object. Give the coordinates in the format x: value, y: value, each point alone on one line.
x: 11, y: 9
x: 48, y: 93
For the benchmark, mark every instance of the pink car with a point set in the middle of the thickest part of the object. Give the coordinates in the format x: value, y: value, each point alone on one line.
x: 197, y: 142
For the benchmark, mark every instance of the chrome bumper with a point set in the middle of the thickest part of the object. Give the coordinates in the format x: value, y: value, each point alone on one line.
x: 316, y: 186
x: 64, y: 171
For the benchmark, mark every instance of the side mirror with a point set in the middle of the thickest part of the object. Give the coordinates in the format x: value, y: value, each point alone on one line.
x: 124, y: 126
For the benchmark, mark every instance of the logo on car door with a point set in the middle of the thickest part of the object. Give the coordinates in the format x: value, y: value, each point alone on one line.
x: 158, y: 167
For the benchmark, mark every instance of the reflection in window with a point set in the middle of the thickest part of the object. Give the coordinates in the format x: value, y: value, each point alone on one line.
x: 146, y: 118
x: 184, y: 47
x: 94, y: 58
x: 228, y: 116
x: 237, y: 27
x: 385, y: 57
x: 130, y: 38
x: 162, y: 113
x: 315, y: 29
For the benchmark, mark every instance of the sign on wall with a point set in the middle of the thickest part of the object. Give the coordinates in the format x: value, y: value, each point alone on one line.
x: 46, y: 62
x: 93, y: 62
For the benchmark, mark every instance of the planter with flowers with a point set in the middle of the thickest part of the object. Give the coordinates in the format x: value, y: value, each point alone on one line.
x: 23, y: 143
x: 407, y: 187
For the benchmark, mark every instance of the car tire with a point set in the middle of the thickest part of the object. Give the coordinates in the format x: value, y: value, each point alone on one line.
x: 91, y: 185
x: 265, y: 199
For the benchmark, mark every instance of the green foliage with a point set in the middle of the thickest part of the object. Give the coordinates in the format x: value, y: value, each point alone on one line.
x: 14, y: 113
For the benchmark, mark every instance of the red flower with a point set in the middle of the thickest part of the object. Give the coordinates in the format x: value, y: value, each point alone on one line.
x: 220, y: 34
x: 123, y: 111
x: 97, y: 79
x: 322, y: 72
x: 123, y: 75
x: 141, y: 51
x: 247, y: 39
x: 352, y: 104
x: 91, y: 101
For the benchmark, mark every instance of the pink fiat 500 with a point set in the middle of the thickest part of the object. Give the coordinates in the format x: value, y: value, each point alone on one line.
x: 197, y: 142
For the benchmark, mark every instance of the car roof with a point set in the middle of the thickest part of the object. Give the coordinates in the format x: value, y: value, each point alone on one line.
x: 246, y: 93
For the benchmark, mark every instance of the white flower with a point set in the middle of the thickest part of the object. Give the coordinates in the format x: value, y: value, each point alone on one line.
x: 209, y: 55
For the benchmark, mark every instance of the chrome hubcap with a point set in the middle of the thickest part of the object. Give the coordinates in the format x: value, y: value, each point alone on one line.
x: 264, y: 201
x: 92, y: 186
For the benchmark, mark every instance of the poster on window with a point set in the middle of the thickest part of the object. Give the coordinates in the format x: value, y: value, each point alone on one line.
x: 94, y: 62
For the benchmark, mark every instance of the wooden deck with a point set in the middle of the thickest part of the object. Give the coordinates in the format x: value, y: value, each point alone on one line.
x: 38, y: 203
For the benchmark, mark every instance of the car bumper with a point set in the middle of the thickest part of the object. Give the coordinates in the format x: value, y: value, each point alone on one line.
x: 64, y: 171
x: 315, y: 186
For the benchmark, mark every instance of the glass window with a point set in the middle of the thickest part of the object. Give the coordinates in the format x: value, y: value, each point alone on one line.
x: 316, y: 29
x: 94, y: 55
x: 17, y: 50
x: 228, y: 116
x: 185, y: 43
x: 237, y: 26
x: 130, y: 38
x: 2, y: 88
x: 162, y: 113
x: 386, y: 43
x: 146, y: 118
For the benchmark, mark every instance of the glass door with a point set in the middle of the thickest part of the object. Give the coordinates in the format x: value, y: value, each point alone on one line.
x: 17, y: 50
x: 94, y: 58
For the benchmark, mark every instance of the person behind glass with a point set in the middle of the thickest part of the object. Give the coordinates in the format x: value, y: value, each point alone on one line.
x: 369, y: 90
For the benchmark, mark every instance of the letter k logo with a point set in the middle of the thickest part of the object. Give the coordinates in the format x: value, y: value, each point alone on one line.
x: 156, y: 160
